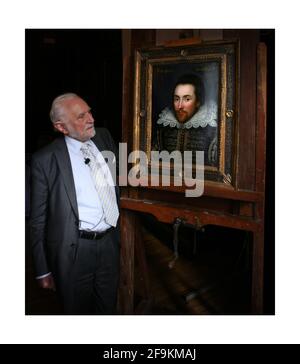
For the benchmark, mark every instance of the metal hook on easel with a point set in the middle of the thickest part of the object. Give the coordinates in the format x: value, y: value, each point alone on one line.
x: 176, y: 225
x: 177, y: 222
x: 197, y: 227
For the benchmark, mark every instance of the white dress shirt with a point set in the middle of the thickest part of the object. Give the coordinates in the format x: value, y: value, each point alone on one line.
x: 91, y: 216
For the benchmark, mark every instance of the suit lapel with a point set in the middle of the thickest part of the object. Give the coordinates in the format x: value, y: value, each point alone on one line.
x: 99, y: 142
x: 64, y: 163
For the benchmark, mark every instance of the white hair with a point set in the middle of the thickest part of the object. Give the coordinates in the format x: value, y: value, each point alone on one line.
x: 56, y: 108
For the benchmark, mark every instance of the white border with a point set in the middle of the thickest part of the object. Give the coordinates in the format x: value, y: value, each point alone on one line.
x: 15, y: 326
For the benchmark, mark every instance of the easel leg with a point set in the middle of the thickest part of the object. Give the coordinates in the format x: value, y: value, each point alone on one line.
x: 257, y: 273
x: 126, y: 288
x: 144, y: 306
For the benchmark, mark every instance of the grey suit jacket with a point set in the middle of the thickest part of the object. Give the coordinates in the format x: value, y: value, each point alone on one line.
x: 54, y: 218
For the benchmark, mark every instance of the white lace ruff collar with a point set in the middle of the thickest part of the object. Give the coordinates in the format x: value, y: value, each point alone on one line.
x: 206, y: 115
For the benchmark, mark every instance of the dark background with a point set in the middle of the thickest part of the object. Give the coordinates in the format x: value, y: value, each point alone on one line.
x: 268, y: 37
x: 87, y: 62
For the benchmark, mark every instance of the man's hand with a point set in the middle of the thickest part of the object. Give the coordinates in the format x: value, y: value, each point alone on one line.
x: 47, y: 282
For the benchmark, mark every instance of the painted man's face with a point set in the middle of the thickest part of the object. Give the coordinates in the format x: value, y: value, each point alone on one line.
x: 185, y: 102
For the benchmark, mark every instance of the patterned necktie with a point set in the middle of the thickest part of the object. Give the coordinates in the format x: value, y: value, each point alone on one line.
x: 105, y: 190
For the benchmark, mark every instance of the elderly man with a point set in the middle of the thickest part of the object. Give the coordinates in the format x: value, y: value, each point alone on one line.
x: 191, y: 124
x: 74, y: 212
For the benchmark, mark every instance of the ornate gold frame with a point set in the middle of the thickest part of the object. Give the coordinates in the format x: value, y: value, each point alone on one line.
x: 146, y: 59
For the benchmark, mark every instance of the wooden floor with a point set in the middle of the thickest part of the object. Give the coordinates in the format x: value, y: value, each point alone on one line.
x: 211, y: 279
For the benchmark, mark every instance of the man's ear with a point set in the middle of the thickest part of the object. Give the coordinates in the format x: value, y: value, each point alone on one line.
x: 59, y: 126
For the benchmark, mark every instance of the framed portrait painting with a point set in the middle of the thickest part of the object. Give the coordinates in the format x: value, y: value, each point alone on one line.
x: 185, y: 100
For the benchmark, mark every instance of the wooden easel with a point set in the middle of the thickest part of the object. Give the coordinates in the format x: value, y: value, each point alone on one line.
x: 241, y: 208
